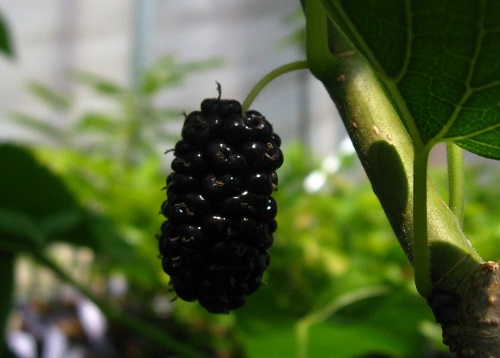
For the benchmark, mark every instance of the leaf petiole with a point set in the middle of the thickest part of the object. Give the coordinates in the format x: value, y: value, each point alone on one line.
x: 456, y: 181
x: 421, y: 256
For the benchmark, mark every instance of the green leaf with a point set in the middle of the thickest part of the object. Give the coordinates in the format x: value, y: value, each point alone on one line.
x: 102, y: 85
x: 98, y: 122
x: 354, y: 341
x: 49, y: 96
x: 170, y: 113
x: 30, y: 189
x: 5, y: 41
x: 399, y: 315
x: 19, y: 232
x: 346, y: 340
x: 169, y: 72
x: 57, y: 226
x: 387, y: 325
x: 280, y: 341
x: 439, y: 62
x: 41, y: 126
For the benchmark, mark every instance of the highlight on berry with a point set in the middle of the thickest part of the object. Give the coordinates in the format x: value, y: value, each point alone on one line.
x: 220, y: 216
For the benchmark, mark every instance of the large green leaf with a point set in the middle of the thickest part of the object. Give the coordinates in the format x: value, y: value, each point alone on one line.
x: 35, y: 205
x: 439, y: 60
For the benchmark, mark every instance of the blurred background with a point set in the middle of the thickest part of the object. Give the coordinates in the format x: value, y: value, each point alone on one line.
x: 92, y: 97
x: 242, y: 39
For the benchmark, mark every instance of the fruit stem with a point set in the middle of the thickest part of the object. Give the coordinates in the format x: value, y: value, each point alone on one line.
x: 455, y: 156
x: 289, y: 67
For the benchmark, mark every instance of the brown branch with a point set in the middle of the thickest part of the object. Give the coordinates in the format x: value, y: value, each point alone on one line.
x: 471, y: 318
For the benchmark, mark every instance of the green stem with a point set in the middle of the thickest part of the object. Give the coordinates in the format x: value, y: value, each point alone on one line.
x: 303, y: 326
x: 387, y: 153
x: 343, y: 301
x: 135, y: 114
x: 302, y: 332
x: 289, y: 67
x: 421, y: 261
x: 149, y: 332
x: 456, y: 181
x: 319, y: 56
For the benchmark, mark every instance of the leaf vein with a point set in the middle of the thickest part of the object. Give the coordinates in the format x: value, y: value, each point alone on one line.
x: 479, y: 41
x: 409, y: 41
x: 476, y: 133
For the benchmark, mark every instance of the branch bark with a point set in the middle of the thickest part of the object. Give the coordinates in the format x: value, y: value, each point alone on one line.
x: 470, y: 318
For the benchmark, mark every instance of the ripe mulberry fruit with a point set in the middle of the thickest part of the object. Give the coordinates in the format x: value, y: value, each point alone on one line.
x: 220, y: 217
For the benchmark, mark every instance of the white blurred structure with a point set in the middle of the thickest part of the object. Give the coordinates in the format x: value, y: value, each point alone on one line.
x: 113, y: 38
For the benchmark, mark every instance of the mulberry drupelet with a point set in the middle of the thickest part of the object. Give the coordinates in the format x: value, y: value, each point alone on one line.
x: 220, y: 215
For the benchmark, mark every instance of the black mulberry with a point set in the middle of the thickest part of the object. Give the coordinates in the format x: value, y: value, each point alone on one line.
x: 220, y: 215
